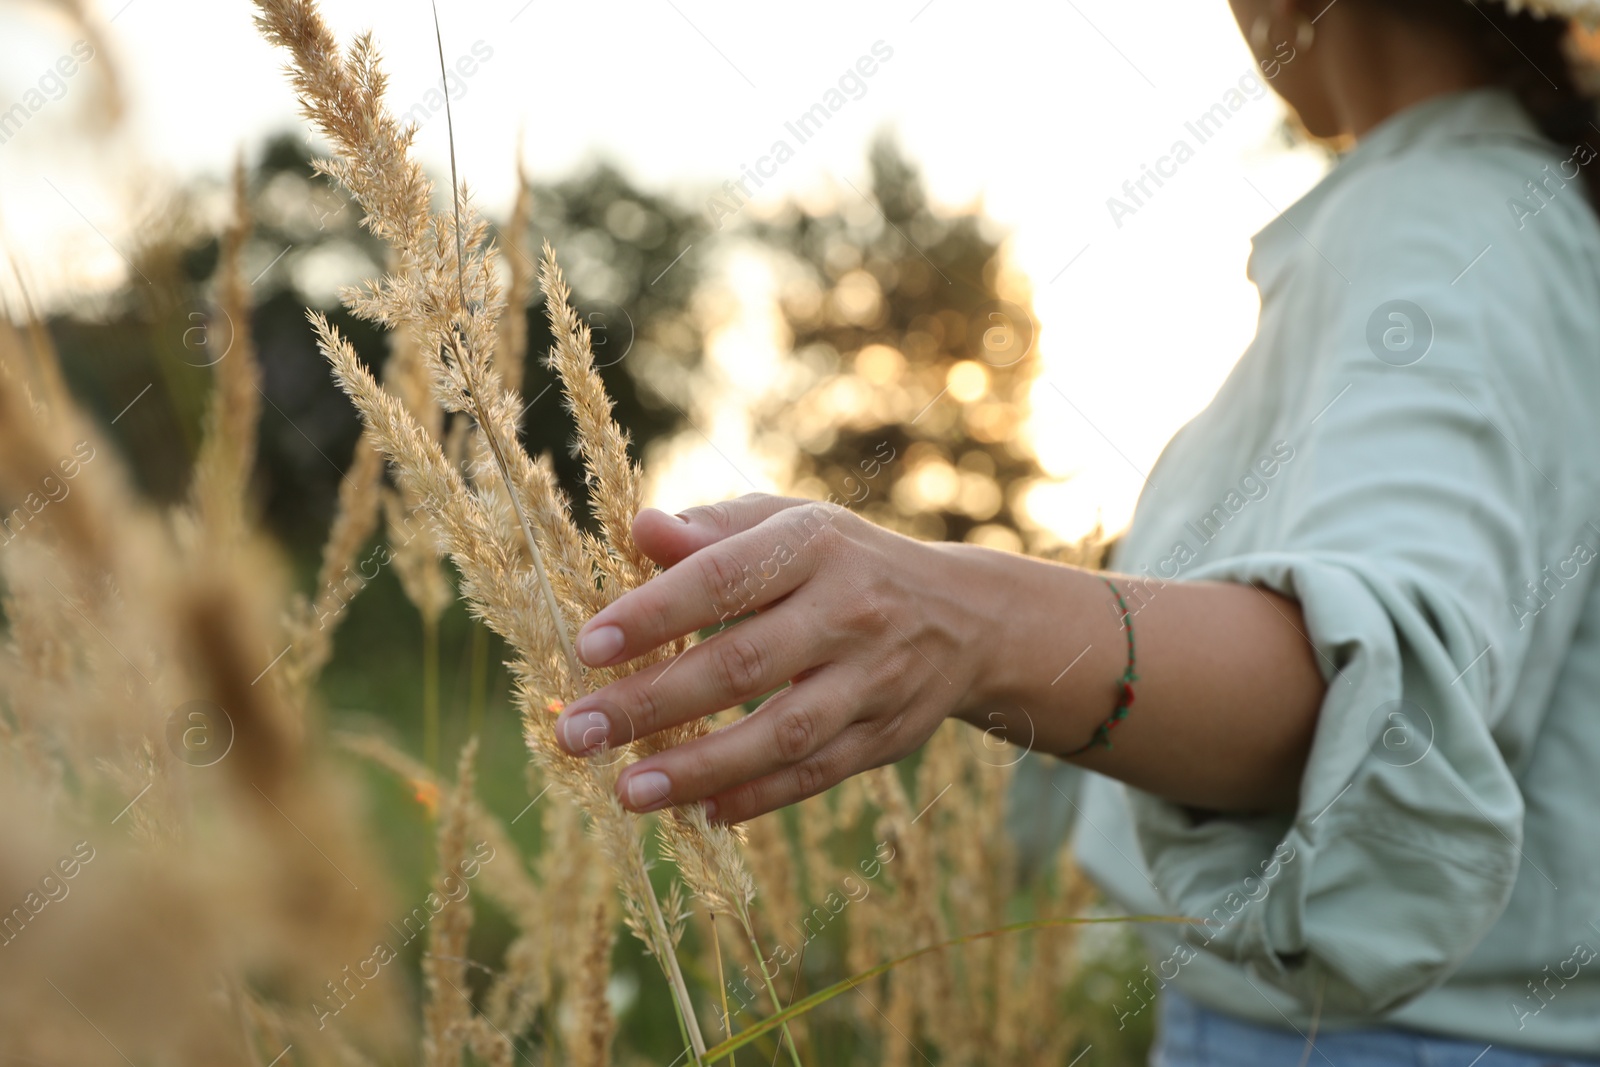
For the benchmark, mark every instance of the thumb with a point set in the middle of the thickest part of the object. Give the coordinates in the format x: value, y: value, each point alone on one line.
x: 667, y: 539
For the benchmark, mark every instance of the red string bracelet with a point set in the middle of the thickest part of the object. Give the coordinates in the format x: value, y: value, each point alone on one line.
x: 1102, y: 733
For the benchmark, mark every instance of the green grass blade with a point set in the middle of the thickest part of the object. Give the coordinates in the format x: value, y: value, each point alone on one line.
x: 822, y: 996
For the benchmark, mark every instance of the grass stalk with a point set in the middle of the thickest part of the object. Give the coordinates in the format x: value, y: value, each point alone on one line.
x: 683, y: 1030
x: 772, y: 991
x: 430, y: 692
x: 722, y: 984
x: 680, y: 988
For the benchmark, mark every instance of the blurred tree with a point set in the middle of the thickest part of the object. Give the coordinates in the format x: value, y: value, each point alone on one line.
x: 913, y: 351
x: 616, y: 243
x: 635, y: 262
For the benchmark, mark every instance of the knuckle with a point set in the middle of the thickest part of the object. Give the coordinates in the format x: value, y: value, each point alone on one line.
x: 721, y: 574
x: 695, y: 771
x: 741, y: 665
x: 859, y: 613
x: 643, y: 709
x: 796, y: 731
x: 656, y: 611
x: 810, y: 777
x: 898, y: 672
x: 717, y: 515
x: 818, y: 521
x: 893, y: 737
x: 832, y: 511
x: 743, y: 802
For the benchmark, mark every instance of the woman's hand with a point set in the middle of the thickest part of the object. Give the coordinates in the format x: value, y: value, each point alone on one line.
x: 868, y: 637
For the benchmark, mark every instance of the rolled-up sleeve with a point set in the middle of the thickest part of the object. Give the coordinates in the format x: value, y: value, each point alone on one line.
x: 1404, y: 526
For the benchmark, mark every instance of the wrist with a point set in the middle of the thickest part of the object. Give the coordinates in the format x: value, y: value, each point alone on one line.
x: 1048, y: 646
x: 974, y: 580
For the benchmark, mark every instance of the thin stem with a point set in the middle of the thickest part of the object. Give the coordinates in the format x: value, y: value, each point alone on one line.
x: 574, y: 669
x: 722, y: 985
x: 772, y: 992
x: 430, y: 693
x: 683, y: 1031
x: 450, y: 129
x: 680, y: 988
x: 475, y: 394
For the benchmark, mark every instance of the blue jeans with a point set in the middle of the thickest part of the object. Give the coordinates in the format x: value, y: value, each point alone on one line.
x: 1189, y: 1035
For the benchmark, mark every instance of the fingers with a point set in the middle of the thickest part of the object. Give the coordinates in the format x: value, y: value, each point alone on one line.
x: 670, y: 539
x: 735, y: 665
x: 846, y: 755
x: 730, y: 576
x: 785, y: 735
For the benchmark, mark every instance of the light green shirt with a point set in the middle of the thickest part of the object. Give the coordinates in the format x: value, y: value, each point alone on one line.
x: 1410, y: 448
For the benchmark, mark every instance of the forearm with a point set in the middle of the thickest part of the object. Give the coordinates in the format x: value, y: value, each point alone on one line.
x: 1228, y: 689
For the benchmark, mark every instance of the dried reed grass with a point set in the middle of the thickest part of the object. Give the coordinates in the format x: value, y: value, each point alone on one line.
x: 117, y: 612
x: 444, y: 292
x: 119, y: 617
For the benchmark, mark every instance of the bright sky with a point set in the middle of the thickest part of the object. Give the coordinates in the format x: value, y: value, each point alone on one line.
x: 1043, y: 111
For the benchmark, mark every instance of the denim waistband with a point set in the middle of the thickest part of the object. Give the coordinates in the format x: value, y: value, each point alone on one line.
x: 1191, y: 1035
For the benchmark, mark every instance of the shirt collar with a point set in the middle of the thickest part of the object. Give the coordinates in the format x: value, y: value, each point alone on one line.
x: 1474, y: 114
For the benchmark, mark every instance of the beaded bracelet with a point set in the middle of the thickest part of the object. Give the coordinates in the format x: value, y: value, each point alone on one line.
x: 1102, y: 733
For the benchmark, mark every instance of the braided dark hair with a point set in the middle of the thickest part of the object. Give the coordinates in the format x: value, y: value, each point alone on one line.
x: 1536, y: 58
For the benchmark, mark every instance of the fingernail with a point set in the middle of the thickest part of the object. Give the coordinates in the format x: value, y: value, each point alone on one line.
x: 647, y: 791
x: 598, y: 646
x: 584, y: 731
x: 681, y: 517
x: 711, y: 807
